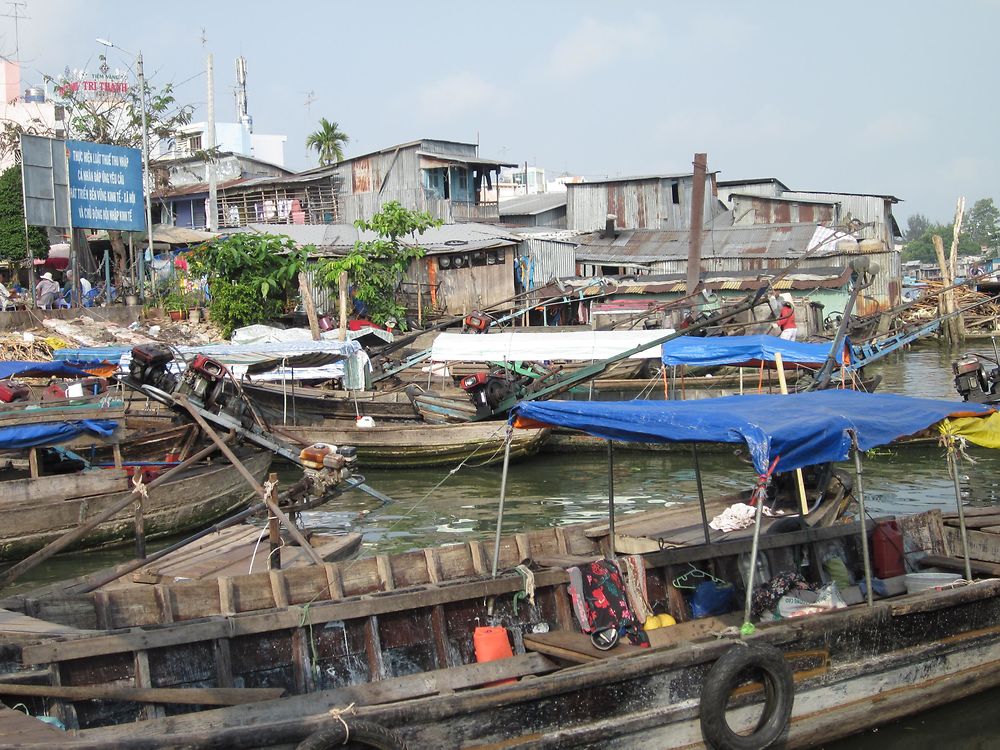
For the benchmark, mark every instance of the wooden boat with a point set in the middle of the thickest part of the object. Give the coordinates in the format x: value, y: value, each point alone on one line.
x: 392, y: 446
x: 308, y: 405
x: 39, y: 510
x: 385, y: 647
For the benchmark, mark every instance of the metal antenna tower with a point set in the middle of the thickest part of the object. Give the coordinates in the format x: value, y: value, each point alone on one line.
x: 15, y: 8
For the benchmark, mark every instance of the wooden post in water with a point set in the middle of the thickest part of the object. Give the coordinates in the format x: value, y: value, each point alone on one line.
x: 273, y: 532
x: 503, y: 497
x: 140, y: 527
x: 342, y: 284
x: 309, y: 304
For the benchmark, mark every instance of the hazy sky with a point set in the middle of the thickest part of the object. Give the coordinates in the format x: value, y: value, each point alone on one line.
x: 880, y: 96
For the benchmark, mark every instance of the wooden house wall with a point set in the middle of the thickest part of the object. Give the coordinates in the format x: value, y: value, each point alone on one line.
x: 462, y: 290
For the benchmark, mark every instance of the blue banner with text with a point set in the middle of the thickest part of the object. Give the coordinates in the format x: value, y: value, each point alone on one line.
x: 105, y: 186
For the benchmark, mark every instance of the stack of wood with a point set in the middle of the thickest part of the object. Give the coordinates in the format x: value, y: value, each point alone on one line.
x: 982, y: 320
x: 17, y: 347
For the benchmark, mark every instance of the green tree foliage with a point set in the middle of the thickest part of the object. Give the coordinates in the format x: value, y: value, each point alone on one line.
x: 251, y: 277
x: 916, y: 225
x: 12, y: 221
x: 922, y: 248
x: 118, y: 122
x: 328, y: 142
x: 376, y: 267
x: 983, y: 224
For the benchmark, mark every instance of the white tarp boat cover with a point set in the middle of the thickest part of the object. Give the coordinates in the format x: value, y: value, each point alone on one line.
x: 542, y: 347
x: 238, y: 357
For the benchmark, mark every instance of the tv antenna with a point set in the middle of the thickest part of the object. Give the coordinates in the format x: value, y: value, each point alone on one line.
x: 310, y: 98
x: 15, y: 13
x: 204, y: 37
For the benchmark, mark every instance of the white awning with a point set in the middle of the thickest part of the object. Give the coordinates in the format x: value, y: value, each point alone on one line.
x: 542, y: 347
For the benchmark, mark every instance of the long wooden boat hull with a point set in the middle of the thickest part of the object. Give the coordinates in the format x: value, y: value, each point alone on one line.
x: 405, y: 446
x: 39, y: 511
x: 303, y: 405
x: 404, y: 658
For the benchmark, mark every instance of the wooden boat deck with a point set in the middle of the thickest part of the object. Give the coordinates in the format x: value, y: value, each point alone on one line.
x: 17, y: 728
x: 231, y: 551
x: 17, y: 627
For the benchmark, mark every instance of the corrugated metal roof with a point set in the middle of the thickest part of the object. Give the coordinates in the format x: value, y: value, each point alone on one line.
x: 646, y: 246
x: 636, y: 178
x: 531, y: 205
x: 465, y: 159
x: 339, y: 238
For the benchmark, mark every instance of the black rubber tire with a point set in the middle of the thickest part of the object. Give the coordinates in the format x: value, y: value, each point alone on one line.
x: 722, y: 679
x: 362, y: 733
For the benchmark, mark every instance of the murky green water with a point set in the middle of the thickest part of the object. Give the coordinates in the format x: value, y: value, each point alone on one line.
x: 436, y: 506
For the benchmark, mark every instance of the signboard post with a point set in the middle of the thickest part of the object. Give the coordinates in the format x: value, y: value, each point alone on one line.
x: 82, y: 184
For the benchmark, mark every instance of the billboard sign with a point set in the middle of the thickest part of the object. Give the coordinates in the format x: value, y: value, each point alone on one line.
x: 105, y: 186
x: 45, y: 180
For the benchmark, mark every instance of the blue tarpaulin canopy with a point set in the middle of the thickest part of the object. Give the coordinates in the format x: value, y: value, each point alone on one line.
x: 39, y: 370
x: 802, y: 428
x: 53, y: 433
x: 742, y: 350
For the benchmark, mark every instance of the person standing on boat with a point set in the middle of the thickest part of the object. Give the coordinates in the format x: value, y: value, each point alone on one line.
x: 786, y: 322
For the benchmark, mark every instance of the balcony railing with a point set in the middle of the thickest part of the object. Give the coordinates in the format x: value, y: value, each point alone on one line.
x: 487, y: 211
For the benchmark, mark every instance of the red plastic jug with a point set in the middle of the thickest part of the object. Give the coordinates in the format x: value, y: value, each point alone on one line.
x: 887, y: 550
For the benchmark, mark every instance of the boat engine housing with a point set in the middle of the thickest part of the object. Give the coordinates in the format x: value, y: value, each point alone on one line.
x: 974, y: 382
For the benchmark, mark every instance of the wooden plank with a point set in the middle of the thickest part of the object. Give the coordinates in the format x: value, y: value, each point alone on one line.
x: 226, y: 600
x: 958, y: 564
x: 573, y: 647
x: 278, y: 588
x: 385, y: 572
x: 976, y: 521
x: 478, y: 557
x: 982, y: 546
x: 17, y: 727
x: 15, y: 623
x: 143, y: 679
x: 184, y: 696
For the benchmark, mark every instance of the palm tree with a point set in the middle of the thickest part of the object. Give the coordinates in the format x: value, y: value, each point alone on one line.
x: 328, y: 141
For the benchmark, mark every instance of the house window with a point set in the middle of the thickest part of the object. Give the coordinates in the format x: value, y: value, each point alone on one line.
x: 194, y: 143
x: 675, y: 193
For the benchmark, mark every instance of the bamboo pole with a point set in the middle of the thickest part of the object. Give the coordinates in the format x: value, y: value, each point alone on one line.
x: 309, y: 304
x: 342, y: 284
x: 503, y: 497
x: 859, y: 493
x: 780, y: 367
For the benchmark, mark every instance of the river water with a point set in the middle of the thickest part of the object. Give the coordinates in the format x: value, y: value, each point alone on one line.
x: 436, y: 506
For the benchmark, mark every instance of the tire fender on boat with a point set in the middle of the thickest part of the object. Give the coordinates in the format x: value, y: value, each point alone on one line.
x: 723, y: 678
x: 362, y: 733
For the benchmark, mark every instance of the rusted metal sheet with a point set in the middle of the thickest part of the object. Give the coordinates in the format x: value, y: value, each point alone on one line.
x: 361, y: 176
x: 548, y: 259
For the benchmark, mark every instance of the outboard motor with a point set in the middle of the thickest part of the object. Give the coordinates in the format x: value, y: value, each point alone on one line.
x: 974, y: 382
x: 488, y: 389
x: 475, y: 322
x: 149, y: 368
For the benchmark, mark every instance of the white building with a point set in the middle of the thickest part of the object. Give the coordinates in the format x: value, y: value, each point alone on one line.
x: 230, y: 137
x: 29, y: 109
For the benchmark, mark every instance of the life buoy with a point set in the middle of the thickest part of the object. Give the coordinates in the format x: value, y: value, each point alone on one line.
x: 724, y: 676
x: 361, y: 733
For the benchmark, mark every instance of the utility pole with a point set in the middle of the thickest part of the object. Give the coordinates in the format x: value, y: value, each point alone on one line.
x: 213, y: 188
x: 697, y: 220
x: 148, y: 177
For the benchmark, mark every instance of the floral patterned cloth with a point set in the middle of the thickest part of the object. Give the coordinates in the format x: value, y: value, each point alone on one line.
x: 607, y: 602
x: 766, y: 597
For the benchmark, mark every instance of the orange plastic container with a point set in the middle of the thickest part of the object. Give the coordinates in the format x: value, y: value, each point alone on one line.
x: 315, y: 453
x: 492, y: 644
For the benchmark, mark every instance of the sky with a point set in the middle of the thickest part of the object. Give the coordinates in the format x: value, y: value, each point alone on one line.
x: 887, y: 96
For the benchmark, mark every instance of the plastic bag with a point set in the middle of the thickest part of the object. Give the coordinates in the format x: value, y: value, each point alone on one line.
x: 827, y: 598
x: 711, y: 598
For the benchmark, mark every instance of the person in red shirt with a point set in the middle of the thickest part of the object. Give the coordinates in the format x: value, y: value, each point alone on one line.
x: 786, y: 322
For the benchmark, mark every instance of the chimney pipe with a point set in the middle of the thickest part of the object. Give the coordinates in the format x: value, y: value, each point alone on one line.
x: 609, y: 228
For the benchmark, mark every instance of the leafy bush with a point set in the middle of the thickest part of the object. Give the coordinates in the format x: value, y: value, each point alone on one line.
x: 12, y: 221
x: 250, y: 277
x: 375, y: 268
